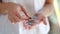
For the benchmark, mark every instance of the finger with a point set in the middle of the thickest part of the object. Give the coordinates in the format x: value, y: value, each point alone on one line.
x: 28, y: 26
x: 11, y: 19
x: 25, y: 11
x: 16, y: 19
x: 32, y: 27
x: 18, y: 12
x: 25, y: 25
x: 21, y: 15
x: 44, y: 21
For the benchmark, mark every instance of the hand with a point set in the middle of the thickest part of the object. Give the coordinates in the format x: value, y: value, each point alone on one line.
x: 31, y: 24
x: 14, y: 12
x: 42, y: 18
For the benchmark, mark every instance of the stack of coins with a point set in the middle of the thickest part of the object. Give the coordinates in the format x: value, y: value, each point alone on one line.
x: 31, y: 22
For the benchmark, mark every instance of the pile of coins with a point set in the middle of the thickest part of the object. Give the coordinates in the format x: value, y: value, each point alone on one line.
x: 31, y: 22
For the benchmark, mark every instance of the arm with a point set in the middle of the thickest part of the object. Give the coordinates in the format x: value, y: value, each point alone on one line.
x: 47, y: 9
x: 3, y: 8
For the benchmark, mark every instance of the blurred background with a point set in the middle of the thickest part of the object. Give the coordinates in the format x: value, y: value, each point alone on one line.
x: 54, y: 18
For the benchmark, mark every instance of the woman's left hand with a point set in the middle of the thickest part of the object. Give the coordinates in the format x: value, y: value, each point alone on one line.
x: 29, y: 25
x: 36, y: 23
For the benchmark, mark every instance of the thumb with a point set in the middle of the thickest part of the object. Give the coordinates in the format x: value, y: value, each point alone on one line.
x: 44, y: 21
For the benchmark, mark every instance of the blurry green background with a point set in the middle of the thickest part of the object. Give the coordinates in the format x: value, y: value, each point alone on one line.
x: 54, y: 23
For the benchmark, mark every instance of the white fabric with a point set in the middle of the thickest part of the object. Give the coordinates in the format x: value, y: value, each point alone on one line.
x: 37, y: 4
x: 7, y: 28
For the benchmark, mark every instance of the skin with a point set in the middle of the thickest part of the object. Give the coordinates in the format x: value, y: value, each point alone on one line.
x: 42, y: 14
x: 13, y: 10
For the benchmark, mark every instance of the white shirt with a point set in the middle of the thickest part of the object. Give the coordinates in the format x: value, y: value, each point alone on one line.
x: 35, y: 4
x: 7, y: 28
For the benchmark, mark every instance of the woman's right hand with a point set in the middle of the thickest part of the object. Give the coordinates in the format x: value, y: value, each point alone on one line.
x: 14, y: 12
